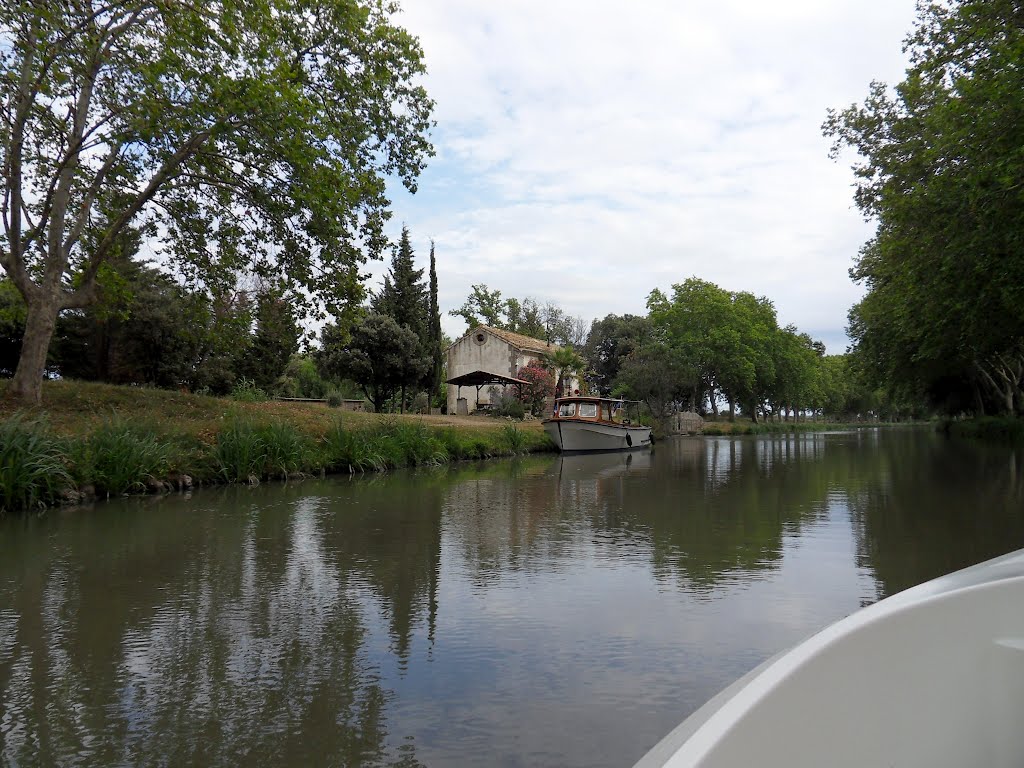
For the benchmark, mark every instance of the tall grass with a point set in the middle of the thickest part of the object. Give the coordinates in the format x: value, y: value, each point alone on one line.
x: 246, y: 452
x: 120, y: 457
x: 33, y: 473
x: 514, y: 438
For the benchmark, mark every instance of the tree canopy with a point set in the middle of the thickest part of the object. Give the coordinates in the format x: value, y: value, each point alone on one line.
x: 257, y: 135
x: 940, y: 169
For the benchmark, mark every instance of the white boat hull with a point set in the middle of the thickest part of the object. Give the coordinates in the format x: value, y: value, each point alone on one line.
x: 933, y: 676
x: 572, y: 435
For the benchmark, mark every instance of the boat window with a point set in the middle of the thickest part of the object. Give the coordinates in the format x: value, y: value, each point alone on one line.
x: 567, y: 409
x: 588, y: 410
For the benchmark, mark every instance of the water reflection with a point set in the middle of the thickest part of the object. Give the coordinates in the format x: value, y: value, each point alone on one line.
x: 551, y: 611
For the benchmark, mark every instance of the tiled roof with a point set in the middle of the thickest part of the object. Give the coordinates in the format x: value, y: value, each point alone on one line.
x: 517, y: 340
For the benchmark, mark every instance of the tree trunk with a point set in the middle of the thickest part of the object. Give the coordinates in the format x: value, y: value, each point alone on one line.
x: 27, y: 384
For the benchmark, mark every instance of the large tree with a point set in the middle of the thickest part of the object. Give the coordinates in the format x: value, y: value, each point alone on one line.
x: 258, y: 135
x: 940, y: 171
x: 379, y: 355
x: 610, y: 342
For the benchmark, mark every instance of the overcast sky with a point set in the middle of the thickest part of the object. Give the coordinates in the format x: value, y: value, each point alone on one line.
x: 589, y: 152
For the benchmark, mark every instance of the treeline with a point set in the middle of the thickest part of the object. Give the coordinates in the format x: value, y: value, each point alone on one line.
x: 718, y: 352
x: 940, y: 169
x: 146, y: 328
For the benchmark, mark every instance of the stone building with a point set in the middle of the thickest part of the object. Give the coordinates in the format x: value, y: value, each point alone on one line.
x: 487, y: 358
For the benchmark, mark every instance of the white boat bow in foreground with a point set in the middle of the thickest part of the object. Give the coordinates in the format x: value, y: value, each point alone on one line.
x: 930, y: 677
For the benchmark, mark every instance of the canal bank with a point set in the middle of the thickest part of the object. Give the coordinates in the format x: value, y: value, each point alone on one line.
x: 96, y: 440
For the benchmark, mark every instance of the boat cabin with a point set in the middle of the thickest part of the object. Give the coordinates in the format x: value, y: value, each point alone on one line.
x: 599, y: 409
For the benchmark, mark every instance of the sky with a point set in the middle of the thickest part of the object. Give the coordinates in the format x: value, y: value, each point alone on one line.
x: 589, y: 152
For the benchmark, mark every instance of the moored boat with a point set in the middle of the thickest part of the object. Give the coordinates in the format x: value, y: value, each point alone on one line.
x: 595, y: 424
x: 933, y: 676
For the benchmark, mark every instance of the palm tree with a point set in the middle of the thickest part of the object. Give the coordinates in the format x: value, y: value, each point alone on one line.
x: 565, y: 362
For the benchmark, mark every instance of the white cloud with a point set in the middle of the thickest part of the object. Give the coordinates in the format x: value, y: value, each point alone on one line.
x: 590, y: 152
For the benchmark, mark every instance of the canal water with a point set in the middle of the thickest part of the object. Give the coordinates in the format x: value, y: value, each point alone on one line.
x: 554, y: 611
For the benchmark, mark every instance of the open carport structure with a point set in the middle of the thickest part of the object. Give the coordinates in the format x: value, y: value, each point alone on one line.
x: 481, y: 379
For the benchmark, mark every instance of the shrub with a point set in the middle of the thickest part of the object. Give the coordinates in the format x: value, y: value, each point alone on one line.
x: 510, y: 407
x: 540, y: 385
x: 334, y: 399
x: 32, y: 469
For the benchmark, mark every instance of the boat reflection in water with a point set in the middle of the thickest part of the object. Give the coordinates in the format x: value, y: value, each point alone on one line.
x: 603, y: 464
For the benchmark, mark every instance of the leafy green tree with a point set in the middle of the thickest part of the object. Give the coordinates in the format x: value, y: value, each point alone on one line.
x: 656, y: 374
x: 379, y: 355
x: 274, y: 341
x: 257, y: 135
x: 482, y: 306
x: 939, y: 169
x: 609, y: 343
x: 404, y: 297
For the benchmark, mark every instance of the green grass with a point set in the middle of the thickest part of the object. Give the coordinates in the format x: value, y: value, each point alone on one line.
x: 102, y: 440
x: 121, y: 458
x: 33, y: 469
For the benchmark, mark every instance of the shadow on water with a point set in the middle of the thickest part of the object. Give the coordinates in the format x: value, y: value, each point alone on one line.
x: 554, y: 610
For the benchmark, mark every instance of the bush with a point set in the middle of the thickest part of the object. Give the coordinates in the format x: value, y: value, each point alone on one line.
x: 510, y: 407
x: 334, y: 399
x: 32, y: 470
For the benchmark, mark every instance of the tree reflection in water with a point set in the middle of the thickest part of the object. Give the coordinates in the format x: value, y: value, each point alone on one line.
x: 551, y: 610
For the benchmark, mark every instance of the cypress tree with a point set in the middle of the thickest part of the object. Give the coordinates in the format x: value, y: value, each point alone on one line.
x: 434, y: 334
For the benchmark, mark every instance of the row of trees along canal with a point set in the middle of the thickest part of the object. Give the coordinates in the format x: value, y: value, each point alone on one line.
x: 247, y: 165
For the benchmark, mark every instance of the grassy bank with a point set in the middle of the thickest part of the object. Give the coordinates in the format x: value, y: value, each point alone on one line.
x: 100, y: 440
x: 779, y: 428
x: 1008, y: 429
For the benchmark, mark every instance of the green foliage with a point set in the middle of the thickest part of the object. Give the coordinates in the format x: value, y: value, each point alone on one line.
x: 939, y: 169
x: 510, y: 407
x: 121, y: 458
x: 259, y: 136
x: 248, y: 452
x: 33, y: 473
x: 548, y: 321
x: 540, y: 384
x: 275, y: 341
x: 404, y: 297
x: 435, y: 339
x: 566, y: 364
x: 246, y: 391
x: 610, y: 342
x: 334, y: 399
x: 238, y: 453
x: 482, y: 306
x: 380, y: 355
x: 513, y: 437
